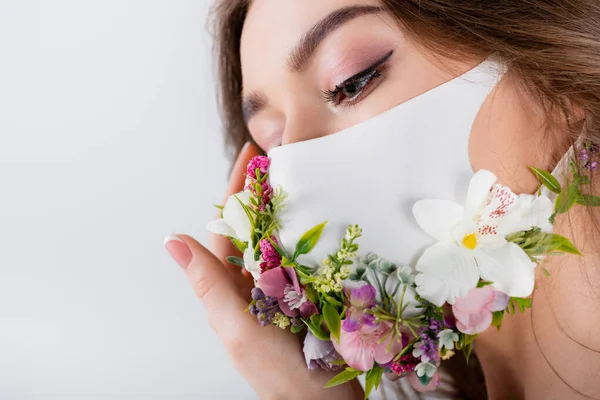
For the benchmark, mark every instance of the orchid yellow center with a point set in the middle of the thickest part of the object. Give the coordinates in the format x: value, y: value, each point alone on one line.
x: 470, y: 241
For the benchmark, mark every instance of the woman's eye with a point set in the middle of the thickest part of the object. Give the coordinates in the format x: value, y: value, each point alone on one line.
x: 349, y: 92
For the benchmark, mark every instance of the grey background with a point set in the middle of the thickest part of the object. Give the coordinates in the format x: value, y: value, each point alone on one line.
x: 109, y: 141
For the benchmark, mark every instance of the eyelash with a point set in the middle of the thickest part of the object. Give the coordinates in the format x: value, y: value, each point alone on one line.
x: 360, y: 81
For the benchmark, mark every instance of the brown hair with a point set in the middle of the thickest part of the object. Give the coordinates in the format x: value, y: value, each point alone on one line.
x: 551, y: 47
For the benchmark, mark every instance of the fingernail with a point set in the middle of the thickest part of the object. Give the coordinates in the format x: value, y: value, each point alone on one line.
x: 248, y: 143
x: 180, y: 252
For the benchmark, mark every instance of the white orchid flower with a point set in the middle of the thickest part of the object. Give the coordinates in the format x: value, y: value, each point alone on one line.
x: 235, y: 222
x: 472, y: 242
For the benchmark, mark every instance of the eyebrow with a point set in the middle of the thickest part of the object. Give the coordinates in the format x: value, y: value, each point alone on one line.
x: 309, y: 42
x: 305, y: 49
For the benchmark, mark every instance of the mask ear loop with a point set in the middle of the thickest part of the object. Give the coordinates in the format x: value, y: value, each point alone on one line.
x: 561, y: 170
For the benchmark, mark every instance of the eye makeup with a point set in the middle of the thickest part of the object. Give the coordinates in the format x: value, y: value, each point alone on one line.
x: 355, y: 88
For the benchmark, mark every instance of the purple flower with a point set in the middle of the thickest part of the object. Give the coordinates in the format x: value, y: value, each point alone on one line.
x: 586, y: 157
x: 320, y: 353
x: 360, y: 299
x: 427, y: 349
x: 265, y: 307
x: 449, y: 321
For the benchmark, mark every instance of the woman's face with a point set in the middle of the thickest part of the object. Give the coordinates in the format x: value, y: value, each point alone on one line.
x: 312, y: 67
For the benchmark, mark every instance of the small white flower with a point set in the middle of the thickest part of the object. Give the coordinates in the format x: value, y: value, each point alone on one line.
x: 293, y: 298
x: 405, y: 275
x: 418, y: 353
x: 235, y: 222
x: 472, y: 242
x: 447, y: 338
x: 425, y: 369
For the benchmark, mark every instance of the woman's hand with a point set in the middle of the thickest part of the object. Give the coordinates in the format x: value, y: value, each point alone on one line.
x: 269, y: 358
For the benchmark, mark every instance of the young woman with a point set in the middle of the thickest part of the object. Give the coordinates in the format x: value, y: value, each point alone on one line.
x: 295, y: 71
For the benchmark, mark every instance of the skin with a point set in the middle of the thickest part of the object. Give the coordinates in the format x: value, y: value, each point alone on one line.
x: 508, y: 135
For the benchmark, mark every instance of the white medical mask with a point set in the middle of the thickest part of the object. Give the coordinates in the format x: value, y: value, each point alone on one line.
x: 372, y: 173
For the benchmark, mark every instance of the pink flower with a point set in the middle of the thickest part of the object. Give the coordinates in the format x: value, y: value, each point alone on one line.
x: 361, y: 348
x: 282, y: 283
x: 270, y: 256
x: 360, y: 298
x: 473, y: 312
x: 261, y: 163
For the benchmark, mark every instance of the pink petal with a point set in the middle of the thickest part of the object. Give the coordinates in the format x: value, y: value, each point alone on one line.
x: 380, y: 351
x: 476, y: 300
x: 472, y: 324
x: 285, y: 307
x: 351, y: 349
x: 291, y: 272
x: 352, y: 321
x: 381, y: 354
x: 273, y: 281
x: 363, y: 297
x: 308, y: 308
x: 500, y: 301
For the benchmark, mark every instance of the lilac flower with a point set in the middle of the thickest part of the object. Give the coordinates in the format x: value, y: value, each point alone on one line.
x: 360, y: 299
x: 265, y: 307
x: 586, y: 157
x: 320, y: 353
x: 270, y: 256
x: 428, y: 348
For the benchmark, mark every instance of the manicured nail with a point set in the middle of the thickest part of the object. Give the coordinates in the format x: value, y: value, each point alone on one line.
x: 248, y: 143
x: 178, y: 250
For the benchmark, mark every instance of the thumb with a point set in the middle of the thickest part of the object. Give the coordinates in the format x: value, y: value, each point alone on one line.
x: 210, y: 281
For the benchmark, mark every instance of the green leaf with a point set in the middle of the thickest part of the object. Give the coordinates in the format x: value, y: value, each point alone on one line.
x: 312, y: 294
x: 588, y: 200
x: 236, y: 261
x: 408, y: 349
x: 308, y: 241
x: 468, y: 339
x: 555, y: 242
x: 248, y: 212
x: 547, y: 180
x: 546, y: 272
x: 279, y: 249
x: 566, y: 199
x: 481, y: 284
x: 521, y: 304
x: 467, y: 351
x: 333, y: 301
x: 241, y: 246
x: 317, y: 331
x: 333, y: 320
x: 372, y: 379
x: 295, y: 329
x: 287, y: 263
x: 497, y: 318
x: 343, y: 377
x: 316, y: 319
